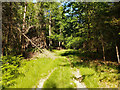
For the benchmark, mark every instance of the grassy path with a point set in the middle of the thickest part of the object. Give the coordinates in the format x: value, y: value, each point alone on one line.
x: 63, y: 69
x: 95, y: 73
x: 63, y: 76
x: 41, y: 82
x: 78, y: 76
x: 60, y: 78
x: 46, y: 72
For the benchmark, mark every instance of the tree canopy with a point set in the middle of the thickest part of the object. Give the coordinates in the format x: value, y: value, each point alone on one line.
x: 91, y: 26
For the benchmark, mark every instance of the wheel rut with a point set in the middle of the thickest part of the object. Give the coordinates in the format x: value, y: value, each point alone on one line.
x: 77, y: 76
x: 41, y: 82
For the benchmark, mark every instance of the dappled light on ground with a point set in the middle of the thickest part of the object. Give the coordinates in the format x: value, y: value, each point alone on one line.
x: 95, y: 73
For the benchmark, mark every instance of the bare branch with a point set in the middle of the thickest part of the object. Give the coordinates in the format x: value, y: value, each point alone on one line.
x: 27, y: 30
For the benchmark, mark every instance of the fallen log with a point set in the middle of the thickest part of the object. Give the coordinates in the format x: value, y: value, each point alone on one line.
x: 30, y: 40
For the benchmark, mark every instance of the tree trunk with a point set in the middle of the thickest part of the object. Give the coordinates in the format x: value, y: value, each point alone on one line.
x: 9, y: 31
x: 24, y: 16
x: 23, y: 30
x: 117, y: 52
x: 50, y: 29
x: 103, y: 50
x: 59, y: 41
x: 59, y: 44
x: 103, y: 47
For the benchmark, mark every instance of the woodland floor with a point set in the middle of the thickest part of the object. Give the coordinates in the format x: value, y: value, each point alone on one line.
x: 64, y: 69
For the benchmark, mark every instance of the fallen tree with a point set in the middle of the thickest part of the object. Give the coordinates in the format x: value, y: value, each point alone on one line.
x: 29, y: 40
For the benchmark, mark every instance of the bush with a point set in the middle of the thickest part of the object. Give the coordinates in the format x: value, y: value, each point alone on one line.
x: 10, y: 66
x: 75, y: 42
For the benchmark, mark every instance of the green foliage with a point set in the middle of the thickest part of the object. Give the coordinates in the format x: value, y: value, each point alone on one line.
x: 92, y: 27
x: 100, y: 74
x: 90, y: 77
x: 75, y: 25
x: 12, y: 60
x: 57, y: 37
x: 10, y: 71
x: 74, y: 42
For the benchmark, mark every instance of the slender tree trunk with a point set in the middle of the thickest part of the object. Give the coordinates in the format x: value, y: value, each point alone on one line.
x: 117, y: 52
x: 23, y: 30
x: 103, y: 50
x: 103, y: 46
x: 59, y: 41
x: 9, y: 31
x: 41, y: 19
x: 50, y: 29
x: 24, y: 16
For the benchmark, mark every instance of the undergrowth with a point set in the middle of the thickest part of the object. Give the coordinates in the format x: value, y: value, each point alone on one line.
x: 20, y: 73
x: 95, y: 73
x: 10, y: 65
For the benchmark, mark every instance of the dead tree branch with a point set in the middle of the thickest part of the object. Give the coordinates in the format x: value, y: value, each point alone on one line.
x: 29, y: 40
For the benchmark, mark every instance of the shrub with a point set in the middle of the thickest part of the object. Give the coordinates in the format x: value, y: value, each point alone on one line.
x: 10, y: 66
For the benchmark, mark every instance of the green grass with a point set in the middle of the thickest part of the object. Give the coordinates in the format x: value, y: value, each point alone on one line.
x: 89, y: 74
x: 89, y: 77
x: 33, y: 71
x: 60, y: 52
x: 39, y: 68
x: 96, y: 73
x: 60, y: 78
x: 103, y: 77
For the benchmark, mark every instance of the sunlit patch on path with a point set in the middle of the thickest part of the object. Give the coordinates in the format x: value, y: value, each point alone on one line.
x: 45, y: 54
x: 78, y: 76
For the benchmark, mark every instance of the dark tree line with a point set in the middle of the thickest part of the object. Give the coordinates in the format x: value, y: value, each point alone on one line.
x: 90, y: 26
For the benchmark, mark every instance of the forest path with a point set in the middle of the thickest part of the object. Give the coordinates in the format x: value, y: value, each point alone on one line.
x: 75, y: 71
x: 77, y: 76
x: 45, y: 54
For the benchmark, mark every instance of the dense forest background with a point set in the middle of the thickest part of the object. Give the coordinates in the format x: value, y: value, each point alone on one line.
x: 91, y: 26
x: 69, y: 36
